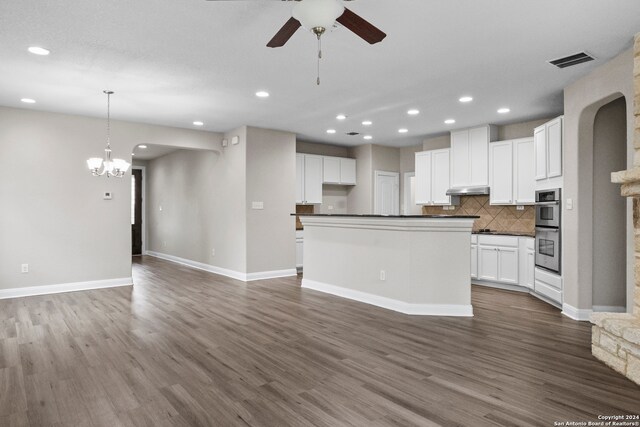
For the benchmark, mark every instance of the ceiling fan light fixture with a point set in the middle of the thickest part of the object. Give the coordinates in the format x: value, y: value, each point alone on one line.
x: 315, y: 14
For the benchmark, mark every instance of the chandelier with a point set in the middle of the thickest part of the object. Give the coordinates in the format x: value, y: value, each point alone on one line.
x: 100, y: 166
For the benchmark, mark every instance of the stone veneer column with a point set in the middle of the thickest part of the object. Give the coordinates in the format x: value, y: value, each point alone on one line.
x: 616, y: 337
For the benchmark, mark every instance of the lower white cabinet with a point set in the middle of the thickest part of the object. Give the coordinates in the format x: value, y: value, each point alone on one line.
x: 299, y: 248
x: 508, y: 265
x: 527, y: 261
x: 474, y: 257
x: 488, y: 263
x: 548, y: 284
x: 502, y: 259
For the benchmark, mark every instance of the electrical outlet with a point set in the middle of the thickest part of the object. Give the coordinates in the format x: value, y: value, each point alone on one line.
x: 383, y: 275
x: 164, y: 243
x: 570, y: 204
x: 330, y: 207
x: 213, y: 252
x: 519, y: 208
x: 25, y: 268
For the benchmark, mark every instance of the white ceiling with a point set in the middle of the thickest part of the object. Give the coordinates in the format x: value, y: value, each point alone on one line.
x: 172, y: 62
x: 153, y: 151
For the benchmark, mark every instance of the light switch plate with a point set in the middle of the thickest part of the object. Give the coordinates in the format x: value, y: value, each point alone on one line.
x: 257, y: 205
x: 108, y: 195
x: 520, y: 208
x: 235, y: 140
x: 225, y: 142
x: 570, y: 204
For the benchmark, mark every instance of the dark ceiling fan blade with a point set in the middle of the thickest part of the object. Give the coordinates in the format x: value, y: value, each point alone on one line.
x: 360, y: 27
x: 285, y: 33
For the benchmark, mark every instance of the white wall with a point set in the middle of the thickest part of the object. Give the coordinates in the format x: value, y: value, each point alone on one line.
x: 582, y: 100
x: 52, y: 215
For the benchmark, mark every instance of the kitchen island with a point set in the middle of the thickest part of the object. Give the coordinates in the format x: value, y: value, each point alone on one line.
x: 419, y: 265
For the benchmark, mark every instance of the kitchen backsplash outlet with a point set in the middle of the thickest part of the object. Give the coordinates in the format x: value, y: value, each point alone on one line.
x: 496, y: 218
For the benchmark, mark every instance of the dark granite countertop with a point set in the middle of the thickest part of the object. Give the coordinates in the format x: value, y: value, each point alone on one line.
x: 390, y: 216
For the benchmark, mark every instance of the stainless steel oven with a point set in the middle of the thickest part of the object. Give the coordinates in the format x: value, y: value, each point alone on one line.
x: 548, y: 208
x: 548, y: 248
x: 548, y: 233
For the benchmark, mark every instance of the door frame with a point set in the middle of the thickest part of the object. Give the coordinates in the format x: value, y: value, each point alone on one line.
x: 144, y: 206
x: 376, y: 175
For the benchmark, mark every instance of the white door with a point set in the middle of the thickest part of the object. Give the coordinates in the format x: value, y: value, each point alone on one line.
x: 501, y: 173
x: 508, y: 265
x: 423, y: 178
x: 487, y: 263
x: 312, y: 179
x: 299, y: 178
x: 540, y: 148
x: 410, y: 206
x: 387, y: 193
x: 440, y: 177
x: 523, y: 172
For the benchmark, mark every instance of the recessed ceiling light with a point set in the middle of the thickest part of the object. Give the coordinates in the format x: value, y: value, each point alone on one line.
x: 466, y: 99
x: 142, y: 146
x: 503, y: 110
x: 367, y: 137
x: 367, y: 123
x: 403, y: 130
x: 197, y: 123
x: 262, y: 94
x: 133, y: 154
x: 341, y: 117
x: 28, y: 100
x: 413, y: 112
x: 38, y: 50
x: 331, y: 131
x: 449, y: 121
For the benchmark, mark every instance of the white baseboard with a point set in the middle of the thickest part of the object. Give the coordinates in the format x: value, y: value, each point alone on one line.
x: 64, y: 287
x: 609, y: 309
x: 504, y: 286
x: 391, y: 304
x: 580, y: 314
x: 244, y: 277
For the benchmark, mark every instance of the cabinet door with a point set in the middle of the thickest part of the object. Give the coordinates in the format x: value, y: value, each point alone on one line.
x: 347, y: 171
x: 423, y: 178
x: 440, y: 177
x: 554, y: 148
x: 460, y: 166
x: 479, y: 156
x: 474, y: 261
x: 523, y: 172
x: 531, y: 264
x: 487, y: 263
x: 299, y: 178
x: 540, y: 148
x: 501, y: 174
x: 312, y: 179
x: 331, y: 170
x: 508, y: 265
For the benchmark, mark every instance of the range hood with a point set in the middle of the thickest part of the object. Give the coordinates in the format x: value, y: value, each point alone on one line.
x: 468, y: 191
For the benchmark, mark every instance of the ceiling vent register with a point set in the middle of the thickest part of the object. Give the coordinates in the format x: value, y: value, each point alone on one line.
x: 571, y: 60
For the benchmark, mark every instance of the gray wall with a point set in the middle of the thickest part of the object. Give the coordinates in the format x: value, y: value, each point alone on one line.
x: 437, y: 143
x: 53, y: 216
x: 519, y: 130
x: 271, y: 177
x: 359, y: 198
x: 609, y: 209
x: 321, y: 149
x: 582, y: 100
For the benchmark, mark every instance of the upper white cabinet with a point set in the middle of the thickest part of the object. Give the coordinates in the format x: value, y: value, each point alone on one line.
x: 470, y: 156
x: 339, y: 170
x: 432, y: 177
x: 548, y: 149
x: 309, y: 171
x: 511, y: 172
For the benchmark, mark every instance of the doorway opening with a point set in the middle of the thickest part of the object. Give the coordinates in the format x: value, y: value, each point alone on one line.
x: 137, y: 211
x: 609, y: 209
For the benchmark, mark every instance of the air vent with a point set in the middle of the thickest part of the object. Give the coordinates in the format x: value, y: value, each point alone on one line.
x: 571, y: 60
x: 353, y: 133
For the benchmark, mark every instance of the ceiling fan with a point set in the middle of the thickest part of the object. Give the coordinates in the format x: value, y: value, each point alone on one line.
x: 318, y: 16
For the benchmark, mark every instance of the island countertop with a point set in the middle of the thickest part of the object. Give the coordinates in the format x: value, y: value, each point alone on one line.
x: 388, y: 216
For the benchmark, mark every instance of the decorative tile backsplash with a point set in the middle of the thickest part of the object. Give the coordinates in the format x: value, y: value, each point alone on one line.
x: 497, y: 218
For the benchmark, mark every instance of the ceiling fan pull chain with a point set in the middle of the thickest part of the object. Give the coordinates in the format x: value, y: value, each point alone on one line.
x: 319, y: 57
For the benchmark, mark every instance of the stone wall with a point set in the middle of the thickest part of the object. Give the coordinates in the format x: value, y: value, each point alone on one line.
x: 616, y: 337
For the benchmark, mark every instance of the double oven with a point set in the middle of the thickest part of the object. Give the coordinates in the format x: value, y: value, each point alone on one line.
x: 548, y: 230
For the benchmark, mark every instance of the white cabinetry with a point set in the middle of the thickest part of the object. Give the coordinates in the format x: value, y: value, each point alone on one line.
x: 432, y: 178
x: 299, y: 248
x: 526, y: 246
x: 339, y: 170
x: 548, y: 285
x: 470, y: 156
x: 474, y: 257
x: 308, y: 179
x: 498, y: 259
x: 511, y: 172
x: 548, y: 149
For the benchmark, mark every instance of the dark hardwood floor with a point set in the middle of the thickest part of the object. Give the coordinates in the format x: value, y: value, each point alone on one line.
x: 186, y: 347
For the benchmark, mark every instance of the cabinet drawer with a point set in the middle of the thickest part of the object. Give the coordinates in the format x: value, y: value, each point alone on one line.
x: 508, y: 241
x: 548, y: 279
x: 529, y: 243
x: 474, y: 239
x: 548, y: 291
